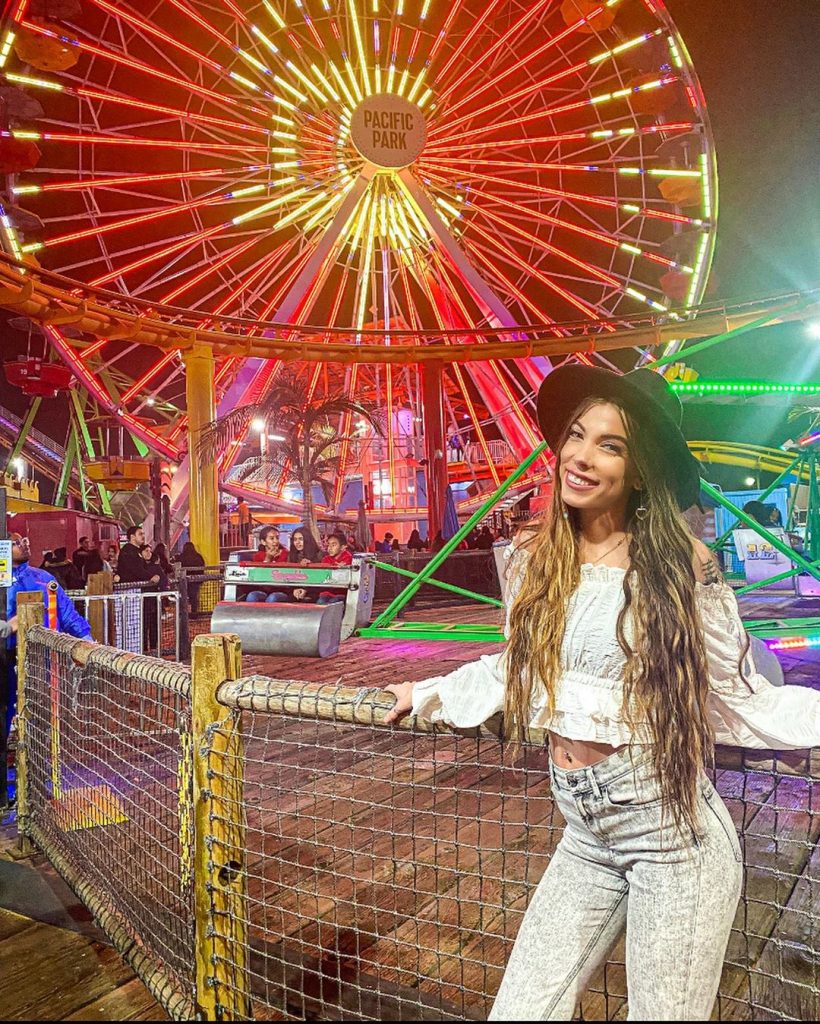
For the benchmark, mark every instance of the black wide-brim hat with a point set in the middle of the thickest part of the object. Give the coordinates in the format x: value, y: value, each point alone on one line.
x: 646, y: 396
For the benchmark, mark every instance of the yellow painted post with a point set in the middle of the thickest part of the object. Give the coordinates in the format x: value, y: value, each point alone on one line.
x: 220, y: 870
x: 30, y: 612
x: 203, y: 505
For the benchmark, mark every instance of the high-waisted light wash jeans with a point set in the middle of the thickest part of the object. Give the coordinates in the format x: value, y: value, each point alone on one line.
x: 620, y: 866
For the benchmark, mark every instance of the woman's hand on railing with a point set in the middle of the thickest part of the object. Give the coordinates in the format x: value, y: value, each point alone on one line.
x: 403, y: 692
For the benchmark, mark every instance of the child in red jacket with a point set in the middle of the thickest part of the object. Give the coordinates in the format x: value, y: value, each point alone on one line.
x: 338, y: 554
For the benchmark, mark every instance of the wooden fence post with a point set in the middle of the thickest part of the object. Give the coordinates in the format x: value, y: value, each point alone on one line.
x: 30, y: 612
x: 220, y: 869
x: 100, y: 583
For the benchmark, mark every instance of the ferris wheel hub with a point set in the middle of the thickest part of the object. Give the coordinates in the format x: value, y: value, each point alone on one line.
x: 388, y: 131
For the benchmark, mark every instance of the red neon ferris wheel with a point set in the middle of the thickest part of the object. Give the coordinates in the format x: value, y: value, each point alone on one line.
x: 360, y: 164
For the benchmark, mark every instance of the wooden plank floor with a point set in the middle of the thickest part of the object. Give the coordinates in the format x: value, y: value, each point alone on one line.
x: 336, y: 871
x: 55, y: 964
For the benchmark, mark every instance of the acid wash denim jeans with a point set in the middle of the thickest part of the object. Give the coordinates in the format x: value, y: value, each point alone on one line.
x: 618, y: 866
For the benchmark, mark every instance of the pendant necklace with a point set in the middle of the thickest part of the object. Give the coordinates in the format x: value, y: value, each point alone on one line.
x: 615, y: 547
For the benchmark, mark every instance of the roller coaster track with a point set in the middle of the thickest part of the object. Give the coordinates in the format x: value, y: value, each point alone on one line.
x: 748, y: 456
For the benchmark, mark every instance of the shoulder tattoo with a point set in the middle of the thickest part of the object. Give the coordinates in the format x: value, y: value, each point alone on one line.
x: 711, y: 572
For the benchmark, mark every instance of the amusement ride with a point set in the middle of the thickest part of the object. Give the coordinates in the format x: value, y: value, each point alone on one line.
x: 412, y: 203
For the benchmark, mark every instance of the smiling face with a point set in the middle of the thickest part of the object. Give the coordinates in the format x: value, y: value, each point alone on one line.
x: 597, y: 472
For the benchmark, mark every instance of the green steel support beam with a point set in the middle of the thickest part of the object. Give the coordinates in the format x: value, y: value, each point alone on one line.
x: 80, y: 470
x: 753, y: 524
x: 65, y: 473
x: 412, y: 588
x: 483, y: 598
x: 82, y: 427
x: 725, y: 535
x: 26, y: 426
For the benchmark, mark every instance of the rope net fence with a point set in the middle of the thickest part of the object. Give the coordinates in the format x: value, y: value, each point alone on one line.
x: 109, y: 764
x: 260, y: 848
x: 387, y: 870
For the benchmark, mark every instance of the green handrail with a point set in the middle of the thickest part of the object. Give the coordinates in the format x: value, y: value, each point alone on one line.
x: 484, y: 598
x: 412, y: 588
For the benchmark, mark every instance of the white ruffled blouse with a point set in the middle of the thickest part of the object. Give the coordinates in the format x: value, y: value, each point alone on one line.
x: 589, y: 695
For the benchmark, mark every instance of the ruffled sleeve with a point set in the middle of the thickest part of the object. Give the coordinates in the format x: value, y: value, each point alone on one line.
x: 750, y: 712
x: 466, y: 697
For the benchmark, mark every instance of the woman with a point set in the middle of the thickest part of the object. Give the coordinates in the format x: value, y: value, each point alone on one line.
x: 414, y: 542
x: 192, y: 560
x: 626, y: 645
x: 160, y: 559
x: 303, y: 551
x: 270, y: 551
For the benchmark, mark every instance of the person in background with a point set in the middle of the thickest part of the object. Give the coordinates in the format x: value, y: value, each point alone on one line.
x: 191, y: 560
x: 161, y: 560
x: 65, y: 572
x: 303, y: 551
x: 243, y: 510
x: 385, y: 546
x: 113, y: 556
x: 415, y: 543
x: 94, y: 564
x: 351, y: 542
x: 485, y: 539
x: 395, y: 545
x: 337, y: 555
x: 149, y: 605
x: 438, y: 542
x: 25, y: 578
x: 271, y: 551
x: 132, y: 567
x: 48, y: 556
x: 80, y: 555
x: 271, y: 548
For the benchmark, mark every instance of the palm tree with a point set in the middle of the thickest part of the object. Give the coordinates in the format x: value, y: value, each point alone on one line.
x: 309, y: 436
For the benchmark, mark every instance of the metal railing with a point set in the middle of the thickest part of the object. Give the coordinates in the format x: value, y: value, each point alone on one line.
x: 264, y: 848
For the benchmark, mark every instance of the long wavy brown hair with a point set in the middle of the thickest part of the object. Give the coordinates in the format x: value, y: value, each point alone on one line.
x: 666, y: 679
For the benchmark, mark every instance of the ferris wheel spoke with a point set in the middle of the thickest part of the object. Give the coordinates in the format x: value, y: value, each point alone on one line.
x: 538, y: 85
x: 575, y: 197
x: 492, y: 307
x: 119, y: 59
x: 528, y: 17
x: 598, y: 236
x: 562, y: 108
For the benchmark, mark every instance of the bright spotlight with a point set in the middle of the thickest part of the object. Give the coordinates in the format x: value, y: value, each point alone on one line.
x: 258, y: 425
x: 813, y: 329
x: 749, y: 481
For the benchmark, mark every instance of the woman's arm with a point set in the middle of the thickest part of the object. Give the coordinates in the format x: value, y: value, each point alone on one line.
x: 464, y: 698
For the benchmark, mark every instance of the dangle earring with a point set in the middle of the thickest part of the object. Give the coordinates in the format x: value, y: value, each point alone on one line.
x: 641, y: 512
x: 565, y: 513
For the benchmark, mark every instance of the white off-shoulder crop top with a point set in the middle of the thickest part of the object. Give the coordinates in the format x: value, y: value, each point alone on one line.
x: 589, y: 695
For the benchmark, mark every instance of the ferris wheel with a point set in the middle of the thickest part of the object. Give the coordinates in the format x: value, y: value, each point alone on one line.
x: 373, y: 165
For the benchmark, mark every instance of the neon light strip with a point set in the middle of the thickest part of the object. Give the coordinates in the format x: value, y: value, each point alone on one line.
x: 561, y: 109
x: 795, y: 643
x: 133, y: 179
x: 116, y: 58
x: 577, y: 197
x: 129, y: 140
x: 748, y: 387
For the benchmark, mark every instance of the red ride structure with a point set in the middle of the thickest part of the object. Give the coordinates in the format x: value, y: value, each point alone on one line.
x: 468, y: 166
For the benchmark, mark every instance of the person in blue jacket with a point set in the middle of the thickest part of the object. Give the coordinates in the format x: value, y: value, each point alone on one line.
x: 25, y: 578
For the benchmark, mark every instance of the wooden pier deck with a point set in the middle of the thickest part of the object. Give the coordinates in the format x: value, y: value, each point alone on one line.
x: 57, y: 965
